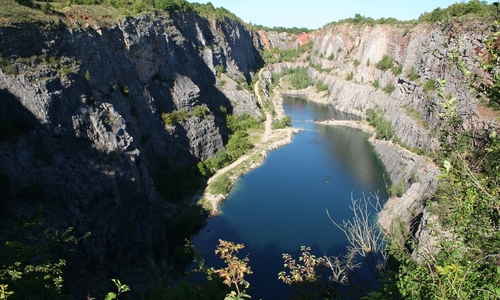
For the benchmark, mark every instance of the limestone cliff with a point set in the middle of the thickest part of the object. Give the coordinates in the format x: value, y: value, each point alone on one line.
x: 345, y: 58
x: 82, y: 109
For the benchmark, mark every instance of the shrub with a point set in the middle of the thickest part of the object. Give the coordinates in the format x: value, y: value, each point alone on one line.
x: 300, y: 79
x: 383, y: 128
x: 321, y: 87
x: 430, y: 85
x: 386, y: 63
x: 28, y: 3
x: 376, y: 84
x: 356, y: 63
x: 170, y: 5
x: 173, y: 117
x: 389, y: 88
x: 397, y: 189
x: 219, y: 70
x: 283, y: 123
x: 412, y: 74
x: 350, y: 76
x: 200, y: 111
x: 397, y: 69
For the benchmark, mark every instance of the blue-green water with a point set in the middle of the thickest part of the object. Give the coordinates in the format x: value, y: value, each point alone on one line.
x: 281, y: 206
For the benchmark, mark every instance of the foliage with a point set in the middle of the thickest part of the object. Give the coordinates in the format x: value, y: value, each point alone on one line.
x: 385, y: 63
x: 200, y: 111
x: 176, y: 116
x: 397, y: 189
x: 356, y: 63
x: 221, y: 185
x: 383, y: 127
x: 430, y: 85
x: 459, y: 9
x: 350, y: 76
x: 237, y: 145
x: 276, y: 55
x: 170, y: 5
x: 487, y: 82
x: 413, y: 74
x: 6, y: 67
x: 121, y: 288
x: 220, y: 13
x: 32, y: 259
x: 286, y: 121
x: 219, y: 70
x: 389, y: 88
x: 306, y: 272
x: 234, y: 273
x: 300, y: 79
x: 465, y: 263
x: 321, y: 87
x: 397, y: 69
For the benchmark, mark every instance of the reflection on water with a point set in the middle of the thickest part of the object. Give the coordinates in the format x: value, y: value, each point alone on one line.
x: 281, y: 206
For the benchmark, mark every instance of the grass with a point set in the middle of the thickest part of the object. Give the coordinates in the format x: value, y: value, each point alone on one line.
x: 72, y: 16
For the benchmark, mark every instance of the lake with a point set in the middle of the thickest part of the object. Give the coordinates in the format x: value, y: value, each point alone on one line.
x: 281, y: 206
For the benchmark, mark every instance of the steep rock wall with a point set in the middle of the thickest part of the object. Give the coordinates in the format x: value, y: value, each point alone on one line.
x: 84, y: 106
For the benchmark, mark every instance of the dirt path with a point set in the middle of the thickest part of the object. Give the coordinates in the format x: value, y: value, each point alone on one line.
x: 269, y: 140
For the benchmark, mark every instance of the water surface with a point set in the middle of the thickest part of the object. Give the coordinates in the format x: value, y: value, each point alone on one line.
x: 281, y: 206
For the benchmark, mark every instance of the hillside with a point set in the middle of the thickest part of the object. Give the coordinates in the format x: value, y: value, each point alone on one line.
x: 108, y: 111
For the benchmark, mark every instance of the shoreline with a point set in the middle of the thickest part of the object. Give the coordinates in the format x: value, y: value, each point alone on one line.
x: 269, y: 140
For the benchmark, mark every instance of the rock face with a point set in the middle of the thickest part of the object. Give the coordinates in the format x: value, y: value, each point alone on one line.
x: 345, y: 58
x: 83, y: 109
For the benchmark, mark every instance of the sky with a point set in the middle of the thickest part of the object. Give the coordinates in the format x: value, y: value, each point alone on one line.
x: 314, y: 14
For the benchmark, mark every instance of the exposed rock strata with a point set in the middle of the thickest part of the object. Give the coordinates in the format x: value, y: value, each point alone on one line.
x: 89, y: 104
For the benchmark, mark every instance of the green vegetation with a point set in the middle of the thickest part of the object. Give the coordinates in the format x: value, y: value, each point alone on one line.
x: 383, y: 128
x: 28, y: 268
x: 276, y: 55
x: 176, y: 116
x: 350, y: 76
x: 413, y: 74
x: 283, y: 123
x: 430, y: 85
x: 321, y: 87
x: 388, y: 63
x: 389, y: 88
x: 397, y: 189
x: 200, y: 111
x: 237, y: 145
x: 474, y: 8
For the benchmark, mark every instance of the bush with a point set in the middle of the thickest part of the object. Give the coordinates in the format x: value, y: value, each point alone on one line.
x: 321, y: 87
x: 28, y: 3
x: 170, y: 5
x: 283, y: 123
x: 430, y: 85
x: 389, y: 88
x: 397, y: 189
x: 386, y: 63
x: 413, y: 74
x: 173, y: 117
x: 350, y: 76
x: 397, y: 69
x: 200, y: 111
x: 383, y: 128
x: 300, y: 79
